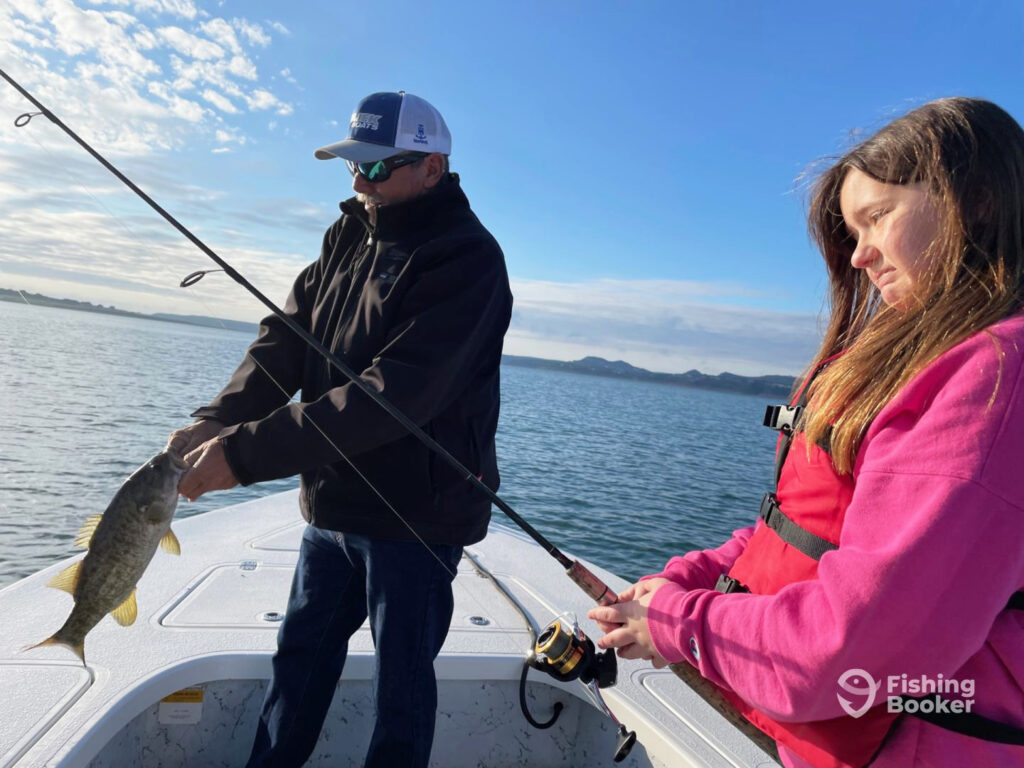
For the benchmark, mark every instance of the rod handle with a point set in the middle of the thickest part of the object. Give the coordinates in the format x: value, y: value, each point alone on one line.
x: 589, y: 583
x: 705, y: 689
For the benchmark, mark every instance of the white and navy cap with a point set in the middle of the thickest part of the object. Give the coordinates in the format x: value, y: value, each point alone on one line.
x: 385, y: 124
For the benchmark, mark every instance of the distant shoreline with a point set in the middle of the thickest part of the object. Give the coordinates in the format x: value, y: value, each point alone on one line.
x: 763, y: 386
x: 766, y: 386
x: 39, y: 300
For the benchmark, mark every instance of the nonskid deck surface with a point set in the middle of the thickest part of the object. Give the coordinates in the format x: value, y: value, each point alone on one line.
x: 480, y: 725
x: 209, y: 618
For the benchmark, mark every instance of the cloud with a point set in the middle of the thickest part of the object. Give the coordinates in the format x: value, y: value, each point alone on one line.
x: 190, y: 45
x: 226, y: 137
x: 138, y: 75
x: 75, y: 232
x: 221, y: 31
x: 186, y: 9
x: 181, y: 108
x: 661, y: 325
x: 221, y: 103
x: 260, y: 99
x: 252, y: 32
x: 148, y: 77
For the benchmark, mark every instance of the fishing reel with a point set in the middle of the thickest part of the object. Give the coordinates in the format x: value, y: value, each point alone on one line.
x: 565, y: 653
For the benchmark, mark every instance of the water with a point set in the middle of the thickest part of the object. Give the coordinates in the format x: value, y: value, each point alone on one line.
x: 623, y: 473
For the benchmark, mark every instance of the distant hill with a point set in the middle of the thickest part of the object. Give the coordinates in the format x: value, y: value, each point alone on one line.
x: 209, y: 322
x: 39, y: 300
x: 766, y: 386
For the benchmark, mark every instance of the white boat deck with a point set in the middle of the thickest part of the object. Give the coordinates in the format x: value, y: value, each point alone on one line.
x: 209, y: 616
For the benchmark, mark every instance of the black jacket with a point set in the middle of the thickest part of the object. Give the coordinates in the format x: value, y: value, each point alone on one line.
x: 418, y: 306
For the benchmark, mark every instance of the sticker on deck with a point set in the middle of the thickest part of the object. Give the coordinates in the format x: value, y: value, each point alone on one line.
x: 184, y: 707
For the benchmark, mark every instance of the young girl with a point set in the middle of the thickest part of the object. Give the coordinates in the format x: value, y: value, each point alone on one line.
x: 874, y: 613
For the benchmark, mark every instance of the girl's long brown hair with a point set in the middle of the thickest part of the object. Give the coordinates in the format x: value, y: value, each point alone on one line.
x: 969, y: 155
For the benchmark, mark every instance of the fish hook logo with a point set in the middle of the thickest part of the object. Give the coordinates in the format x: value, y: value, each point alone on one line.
x: 850, y: 681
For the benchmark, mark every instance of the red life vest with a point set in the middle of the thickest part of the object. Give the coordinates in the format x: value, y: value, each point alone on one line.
x: 798, y: 523
x: 810, y: 495
x: 814, y: 497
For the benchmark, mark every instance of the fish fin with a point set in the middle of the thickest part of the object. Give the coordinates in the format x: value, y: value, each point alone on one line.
x: 85, y: 534
x: 169, y: 543
x: 77, y: 648
x: 126, y: 613
x: 67, y: 579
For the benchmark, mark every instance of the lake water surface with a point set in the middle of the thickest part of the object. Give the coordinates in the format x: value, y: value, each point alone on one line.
x: 623, y: 473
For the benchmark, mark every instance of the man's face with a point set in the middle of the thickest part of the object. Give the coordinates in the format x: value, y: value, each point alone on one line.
x: 403, y: 184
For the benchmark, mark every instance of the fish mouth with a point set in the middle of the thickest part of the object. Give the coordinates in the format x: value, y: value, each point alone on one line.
x: 176, y: 460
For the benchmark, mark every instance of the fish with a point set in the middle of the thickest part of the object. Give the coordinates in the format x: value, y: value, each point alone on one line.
x: 121, y: 542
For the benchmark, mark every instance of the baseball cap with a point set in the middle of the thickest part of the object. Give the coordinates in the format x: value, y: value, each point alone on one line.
x: 389, y: 121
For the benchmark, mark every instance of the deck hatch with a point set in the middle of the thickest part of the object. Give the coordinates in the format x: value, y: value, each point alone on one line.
x: 232, y: 596
x: 55, y: 687
x: 286, y: 539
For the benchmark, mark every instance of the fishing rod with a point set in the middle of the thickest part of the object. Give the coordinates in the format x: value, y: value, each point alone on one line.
x: 579, y: 573
x: 593, y: 586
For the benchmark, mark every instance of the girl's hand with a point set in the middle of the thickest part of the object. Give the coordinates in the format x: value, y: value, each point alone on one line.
x: 632, y: 592
x: 628, y: 621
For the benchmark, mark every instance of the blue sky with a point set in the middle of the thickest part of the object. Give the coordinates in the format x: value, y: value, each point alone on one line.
x: 643, y: 165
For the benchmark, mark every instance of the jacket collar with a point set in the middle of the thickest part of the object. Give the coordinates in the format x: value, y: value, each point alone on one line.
x: 405, y: 218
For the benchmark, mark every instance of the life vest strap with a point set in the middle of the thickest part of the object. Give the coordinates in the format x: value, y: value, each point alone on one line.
x: 727, y: 585
x: 973, y: 724
x: 809, y: 543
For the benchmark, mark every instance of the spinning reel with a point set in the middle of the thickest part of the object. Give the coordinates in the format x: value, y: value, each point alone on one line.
x: 565, y: 653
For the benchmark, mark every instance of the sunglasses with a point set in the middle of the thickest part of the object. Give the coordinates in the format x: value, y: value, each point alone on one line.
x: 379, y: 171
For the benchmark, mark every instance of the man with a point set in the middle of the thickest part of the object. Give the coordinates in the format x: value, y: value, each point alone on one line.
x: 411, y: 291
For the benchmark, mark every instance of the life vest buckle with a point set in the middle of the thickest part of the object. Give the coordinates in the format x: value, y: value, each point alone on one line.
x: 727, y: 585
x: 782, y: 417
x: 769, y: 507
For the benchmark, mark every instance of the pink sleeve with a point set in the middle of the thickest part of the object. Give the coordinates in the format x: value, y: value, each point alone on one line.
x: 701, y: 568
x: 930, y: 551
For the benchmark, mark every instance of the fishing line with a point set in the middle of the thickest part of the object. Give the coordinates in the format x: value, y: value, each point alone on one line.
x: 580, y: 574
x: 507, y: 635
x: 78, y: 182
x: 192, y: 279
x: 583, y: 577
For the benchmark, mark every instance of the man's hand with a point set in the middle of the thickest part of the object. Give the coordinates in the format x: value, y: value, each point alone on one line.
x: 183, y: 441
x: 628, y: 621
x: 210, y: 471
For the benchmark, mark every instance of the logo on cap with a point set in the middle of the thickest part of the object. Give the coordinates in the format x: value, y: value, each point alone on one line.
x: 421, y: 134
x: 365, y: 120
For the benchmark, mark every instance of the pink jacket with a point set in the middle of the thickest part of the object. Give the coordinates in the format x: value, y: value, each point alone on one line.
x: 931, y: 549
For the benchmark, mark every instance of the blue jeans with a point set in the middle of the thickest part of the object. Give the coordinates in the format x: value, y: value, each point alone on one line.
x: 406, y: 589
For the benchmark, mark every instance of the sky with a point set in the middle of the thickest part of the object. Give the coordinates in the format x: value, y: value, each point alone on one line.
x: 644, y: 165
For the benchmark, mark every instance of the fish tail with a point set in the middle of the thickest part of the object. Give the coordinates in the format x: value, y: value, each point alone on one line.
x: 77, y: 648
